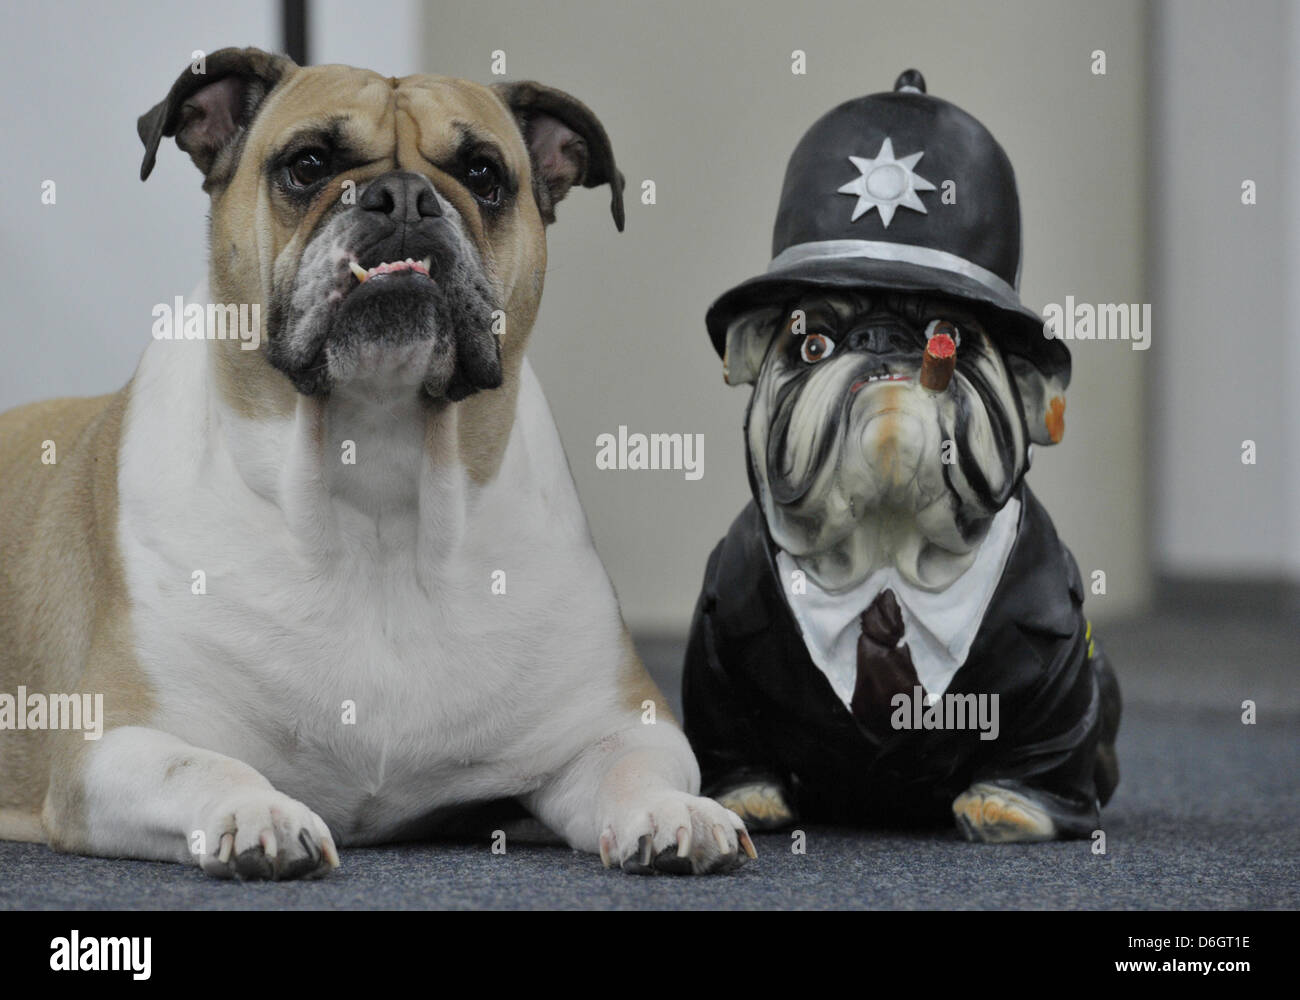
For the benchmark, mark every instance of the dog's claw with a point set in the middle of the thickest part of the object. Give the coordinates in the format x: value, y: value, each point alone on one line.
x: 309, y: 845
x: 307, y: 865
x: 254, y: 864
x: 678, y: 833
x: 264, y: 834
x: 668, y: 860
x: 642, y: 861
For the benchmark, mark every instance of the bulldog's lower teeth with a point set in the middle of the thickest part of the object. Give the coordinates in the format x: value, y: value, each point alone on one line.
x: 358, y: 270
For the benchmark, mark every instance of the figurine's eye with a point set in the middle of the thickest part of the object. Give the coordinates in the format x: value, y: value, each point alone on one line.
x: 816, y: 347
x: 943, y: 326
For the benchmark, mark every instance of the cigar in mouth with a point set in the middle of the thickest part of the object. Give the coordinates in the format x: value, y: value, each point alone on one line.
x: 938, y: 362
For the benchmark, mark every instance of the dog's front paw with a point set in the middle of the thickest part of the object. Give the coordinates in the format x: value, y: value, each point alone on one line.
x: 761, y: 805
x: 679, y: 833
x: 1000, y: 816
x: 264, y: 834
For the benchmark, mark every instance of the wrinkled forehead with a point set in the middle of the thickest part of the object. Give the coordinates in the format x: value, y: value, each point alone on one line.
x: 382, y: 117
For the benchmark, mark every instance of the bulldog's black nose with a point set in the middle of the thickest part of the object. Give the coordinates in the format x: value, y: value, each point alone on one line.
x: 403, y: 196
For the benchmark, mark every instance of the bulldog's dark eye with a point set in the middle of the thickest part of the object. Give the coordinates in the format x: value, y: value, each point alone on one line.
x: 308, y: 167
x: 484, y: 181
x: 816, y: 347
x: 943, y: 326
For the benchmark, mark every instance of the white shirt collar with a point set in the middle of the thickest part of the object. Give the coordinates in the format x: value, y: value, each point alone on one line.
x: 939, y: 626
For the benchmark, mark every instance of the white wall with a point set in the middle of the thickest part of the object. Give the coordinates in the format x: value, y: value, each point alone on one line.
x: 1226, y: 97
x: 1289, y: 376
x: 81, y: 276
x: 383, y: 35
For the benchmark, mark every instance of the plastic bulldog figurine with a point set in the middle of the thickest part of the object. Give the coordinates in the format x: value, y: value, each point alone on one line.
x: 892, y: 631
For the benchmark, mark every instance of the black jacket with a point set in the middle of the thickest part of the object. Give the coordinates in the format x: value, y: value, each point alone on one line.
x: 758, y: 708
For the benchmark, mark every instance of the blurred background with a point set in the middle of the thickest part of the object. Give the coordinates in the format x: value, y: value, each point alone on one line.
x: 1131, y: 184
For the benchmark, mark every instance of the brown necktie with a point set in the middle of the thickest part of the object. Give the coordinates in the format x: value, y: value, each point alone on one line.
x: 884, y: 667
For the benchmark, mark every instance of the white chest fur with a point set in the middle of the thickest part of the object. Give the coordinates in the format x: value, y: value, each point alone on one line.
x: 336, y: 625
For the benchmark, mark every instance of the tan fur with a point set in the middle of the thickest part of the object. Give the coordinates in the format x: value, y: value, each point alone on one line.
x: 63, y: 604
x: 638, y: 686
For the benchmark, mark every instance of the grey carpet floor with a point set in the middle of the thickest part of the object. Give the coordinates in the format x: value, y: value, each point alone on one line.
x: 1205, y: 818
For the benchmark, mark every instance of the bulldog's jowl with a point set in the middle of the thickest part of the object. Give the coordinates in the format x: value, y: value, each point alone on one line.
x: 892, y: 551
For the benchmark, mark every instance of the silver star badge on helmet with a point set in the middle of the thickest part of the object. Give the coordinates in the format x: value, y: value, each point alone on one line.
x: 886, y: 184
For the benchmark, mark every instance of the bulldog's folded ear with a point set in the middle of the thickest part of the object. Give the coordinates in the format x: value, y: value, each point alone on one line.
x: 1042, y: 393
x: 748, y: 338
x: 567, y: 145
x: 209, y: 104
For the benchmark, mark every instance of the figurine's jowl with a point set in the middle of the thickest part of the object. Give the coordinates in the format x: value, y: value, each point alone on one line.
x: 891, y: 631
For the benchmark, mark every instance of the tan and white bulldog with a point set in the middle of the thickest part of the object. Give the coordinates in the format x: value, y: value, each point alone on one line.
x: 333, y: 588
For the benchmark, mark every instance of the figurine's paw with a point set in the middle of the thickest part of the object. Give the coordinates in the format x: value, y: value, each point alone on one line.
x: 760, y: 805
x: 679, y: 833
x: 264, y: 834
x: 998, y: 815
